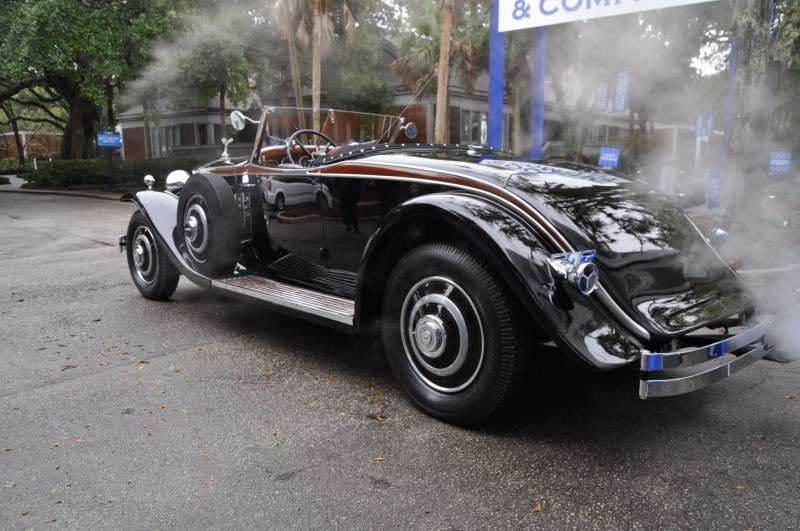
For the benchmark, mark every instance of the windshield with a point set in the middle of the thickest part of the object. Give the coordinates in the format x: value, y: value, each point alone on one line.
x: 343, y: 127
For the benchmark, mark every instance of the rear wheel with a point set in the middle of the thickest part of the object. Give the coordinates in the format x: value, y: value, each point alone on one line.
x: 208, y: 225
x: 152, y: 272
x: 280, y: 202
x: 453, y: 335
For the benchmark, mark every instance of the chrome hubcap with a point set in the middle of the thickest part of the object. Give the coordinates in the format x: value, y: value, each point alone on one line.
x: 431, y: 336
x: 442, y: 334
x: 144, y: 254
x: 195, y: 228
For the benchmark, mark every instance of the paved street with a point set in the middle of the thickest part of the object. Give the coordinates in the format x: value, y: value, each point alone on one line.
x: 201, y: 412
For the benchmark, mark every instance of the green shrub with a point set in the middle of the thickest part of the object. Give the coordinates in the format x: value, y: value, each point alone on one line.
x: 94, y: 172
x: 9, y: 165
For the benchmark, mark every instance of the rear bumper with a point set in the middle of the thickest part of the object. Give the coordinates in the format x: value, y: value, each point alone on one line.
x: 675, y: 373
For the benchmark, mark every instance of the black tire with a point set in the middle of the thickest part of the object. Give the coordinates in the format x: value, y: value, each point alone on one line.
x: 453, y: 336
x: 152, y: 272
x: 208, y: 225
x: 280, y: 202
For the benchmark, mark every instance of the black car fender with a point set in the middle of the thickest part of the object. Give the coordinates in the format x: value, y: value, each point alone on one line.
x: 513, y: 248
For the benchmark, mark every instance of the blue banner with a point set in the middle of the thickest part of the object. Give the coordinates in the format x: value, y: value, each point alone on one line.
x: 621, y: 92
x: 713, y: 187
x: 601, y: 96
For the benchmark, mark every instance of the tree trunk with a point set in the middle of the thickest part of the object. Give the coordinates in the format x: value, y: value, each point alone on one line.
x: 316, y: 61
x: 78, y: 139
x: 298, y: 94
x: 18, y: 142
x: 747, y: 160
x: 440, y: 129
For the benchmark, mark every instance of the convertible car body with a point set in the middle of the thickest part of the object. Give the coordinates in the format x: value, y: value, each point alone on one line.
x: 469, y: 261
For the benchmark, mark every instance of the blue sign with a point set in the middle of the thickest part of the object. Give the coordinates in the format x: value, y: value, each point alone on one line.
x: 713, y: 187
x: 609, y: 157
x: 520, y: 14
x: 780, y: 162
x: 109, y: 140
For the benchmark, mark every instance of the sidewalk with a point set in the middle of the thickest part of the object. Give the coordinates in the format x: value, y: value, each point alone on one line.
x: 16, y: 187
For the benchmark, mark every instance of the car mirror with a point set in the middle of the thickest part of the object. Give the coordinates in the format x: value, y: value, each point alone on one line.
x: 238, y: 120
x: 411, y: 130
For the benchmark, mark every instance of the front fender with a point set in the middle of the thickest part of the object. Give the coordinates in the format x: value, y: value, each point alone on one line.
x: 161, y: 210
x: 515, y: 251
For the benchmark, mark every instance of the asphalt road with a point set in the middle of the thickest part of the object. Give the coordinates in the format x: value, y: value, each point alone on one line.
x: 121, y: 413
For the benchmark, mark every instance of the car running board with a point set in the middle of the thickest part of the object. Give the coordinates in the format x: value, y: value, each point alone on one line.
x: 323, y: 308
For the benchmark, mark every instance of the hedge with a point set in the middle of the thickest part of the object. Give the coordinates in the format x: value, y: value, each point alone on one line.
x: 94, y: 172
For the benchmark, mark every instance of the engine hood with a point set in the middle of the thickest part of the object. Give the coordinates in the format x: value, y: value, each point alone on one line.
x: 653, y: 260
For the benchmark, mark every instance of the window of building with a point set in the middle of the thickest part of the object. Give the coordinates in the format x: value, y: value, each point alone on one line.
x: 473, y: 127
x: 163, y: 139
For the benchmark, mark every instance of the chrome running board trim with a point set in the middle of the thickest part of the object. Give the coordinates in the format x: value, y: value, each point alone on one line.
x: 287, y: 297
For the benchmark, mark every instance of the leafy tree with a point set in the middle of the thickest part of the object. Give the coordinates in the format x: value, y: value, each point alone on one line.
x: 83, y: 50
x: 37, y: 109
x: 747, y: 137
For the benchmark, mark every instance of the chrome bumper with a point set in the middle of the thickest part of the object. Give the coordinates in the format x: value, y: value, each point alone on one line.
x: 666, y: 374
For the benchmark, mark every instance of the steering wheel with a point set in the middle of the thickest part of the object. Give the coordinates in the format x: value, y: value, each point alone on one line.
x: 293, y: 139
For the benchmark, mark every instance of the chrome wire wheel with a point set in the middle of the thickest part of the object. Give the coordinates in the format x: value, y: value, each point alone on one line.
x: 442, y: 334
x: 145, y: 255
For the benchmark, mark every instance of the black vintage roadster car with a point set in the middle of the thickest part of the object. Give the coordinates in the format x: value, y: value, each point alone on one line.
x: 469, y: 261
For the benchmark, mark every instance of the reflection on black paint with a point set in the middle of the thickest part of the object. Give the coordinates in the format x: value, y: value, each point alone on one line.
x: 651, y: 255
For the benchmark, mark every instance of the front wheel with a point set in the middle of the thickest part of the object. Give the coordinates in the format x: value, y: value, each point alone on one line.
x: 152, y: 272
x: 452, y: 334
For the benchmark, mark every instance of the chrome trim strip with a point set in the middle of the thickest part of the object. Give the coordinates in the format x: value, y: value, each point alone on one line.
x: 654, y: 361
x: 542, y: 222
x: 323, y: 305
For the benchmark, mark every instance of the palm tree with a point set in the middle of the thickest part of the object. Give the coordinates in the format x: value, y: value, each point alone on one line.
x: 321, y: 41
x: 283, y: 15
x: 443, y: 75
x: 435, y: 46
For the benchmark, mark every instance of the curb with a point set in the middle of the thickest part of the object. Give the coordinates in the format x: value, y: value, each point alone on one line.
x: 109, y: 196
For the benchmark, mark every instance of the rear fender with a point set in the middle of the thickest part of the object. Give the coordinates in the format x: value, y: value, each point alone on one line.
x: 515, y: 251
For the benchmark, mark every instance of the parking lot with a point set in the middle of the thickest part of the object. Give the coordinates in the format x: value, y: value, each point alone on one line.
x: 117, y: 412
